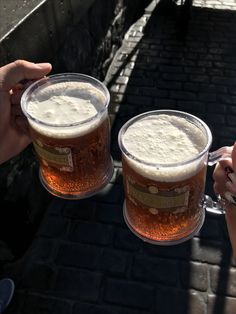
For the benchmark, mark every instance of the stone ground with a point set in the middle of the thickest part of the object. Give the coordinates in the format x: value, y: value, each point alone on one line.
x: 83, y: 258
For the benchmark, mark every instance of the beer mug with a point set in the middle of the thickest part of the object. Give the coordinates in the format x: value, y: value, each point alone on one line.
x: 165, y: 154
x: 69, y: 125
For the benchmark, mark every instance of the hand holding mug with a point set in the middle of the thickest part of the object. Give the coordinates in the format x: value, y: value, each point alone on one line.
x: 225, y: 185
x: 14, y: 135
x: 225, y: 179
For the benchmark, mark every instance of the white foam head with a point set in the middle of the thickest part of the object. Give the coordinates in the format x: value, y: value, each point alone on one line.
x: 164, y: 144
x: 61, y: 110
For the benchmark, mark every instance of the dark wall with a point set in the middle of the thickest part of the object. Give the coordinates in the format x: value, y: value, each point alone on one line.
x: 90, y: 46
x: 73, y: 42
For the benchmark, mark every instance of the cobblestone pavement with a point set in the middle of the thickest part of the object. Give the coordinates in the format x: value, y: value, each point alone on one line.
x: 84, y: 259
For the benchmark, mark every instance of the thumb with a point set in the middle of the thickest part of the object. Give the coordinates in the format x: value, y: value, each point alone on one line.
x: 14, y: 72
x: 233, y: 156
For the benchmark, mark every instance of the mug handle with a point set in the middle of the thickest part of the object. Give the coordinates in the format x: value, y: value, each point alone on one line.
x: 223, y: 153
x: 215, y: 207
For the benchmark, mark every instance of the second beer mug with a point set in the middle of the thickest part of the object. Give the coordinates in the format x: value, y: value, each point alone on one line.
x: 164, y: 158
x: 69, y: 123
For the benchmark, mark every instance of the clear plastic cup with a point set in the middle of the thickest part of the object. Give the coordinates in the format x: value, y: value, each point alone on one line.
x: 70, y: 129
x: 164, y: 159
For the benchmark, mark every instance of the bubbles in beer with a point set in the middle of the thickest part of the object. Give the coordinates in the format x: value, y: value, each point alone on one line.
x: 164, y: 168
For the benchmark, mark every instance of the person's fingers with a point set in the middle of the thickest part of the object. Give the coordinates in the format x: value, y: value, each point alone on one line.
x: 15, y: 139
x: 226, y: 165
x: 219, y: 173
x: 232, y: 177
x: 218, y: 188
x: 16, y: 110
x: 225, y: 169
x: 12, y: 73
x: 16, y: 97
x: 16, y: 93
x: 22, y: 86
x: 23, y: 126
x: 230, y: 208
x: 230, y: 187
x: 233, y: 156
x: 229, y: 168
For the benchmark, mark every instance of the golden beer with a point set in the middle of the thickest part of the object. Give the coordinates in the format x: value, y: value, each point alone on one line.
x: 70, y: 129
x: 164, y: 199
x: 158, y: 216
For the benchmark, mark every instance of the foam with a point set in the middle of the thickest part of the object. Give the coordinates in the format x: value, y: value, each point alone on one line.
x: 65, y: 103
x: 164, y: 140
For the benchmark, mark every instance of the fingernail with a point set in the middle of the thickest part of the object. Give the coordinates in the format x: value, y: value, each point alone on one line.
x: 228, y: 170
x: 43, y: 64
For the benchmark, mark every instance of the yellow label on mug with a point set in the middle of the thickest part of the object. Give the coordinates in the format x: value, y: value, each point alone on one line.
x: 58, y: 157
x: 153, y: 197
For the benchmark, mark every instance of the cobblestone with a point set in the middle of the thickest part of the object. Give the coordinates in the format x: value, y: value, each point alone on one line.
x: 227, y: 278
x: 145, y: 269
x: 194, y: 275
x: 39, y: 304
x: 78, y: 284
x: 195, y: 303
x: 84, y: 259
x: 91, y: 232
x: 227, y: 304
x: 130, y: 293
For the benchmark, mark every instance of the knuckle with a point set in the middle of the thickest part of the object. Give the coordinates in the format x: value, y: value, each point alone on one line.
x: 19, y: 63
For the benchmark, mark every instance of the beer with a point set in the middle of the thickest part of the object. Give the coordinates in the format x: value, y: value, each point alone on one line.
x: 70, y: 129
x: 164, y: 159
